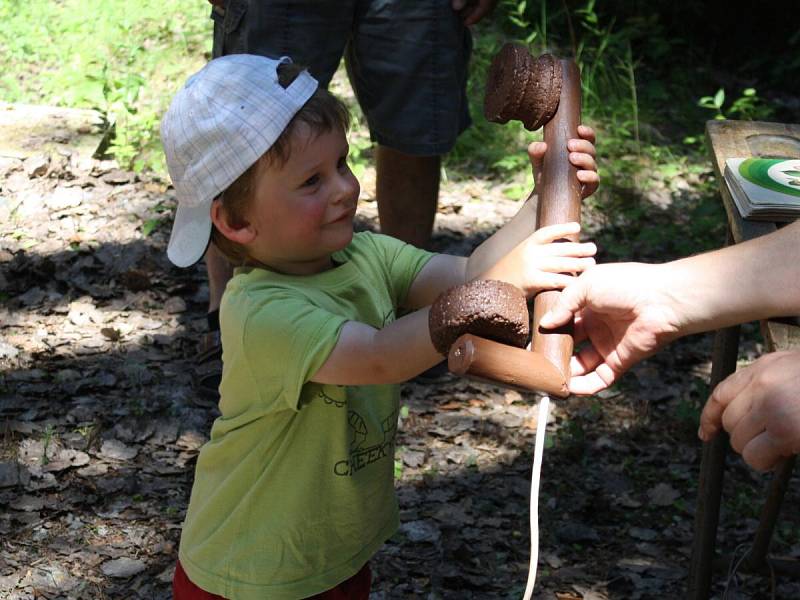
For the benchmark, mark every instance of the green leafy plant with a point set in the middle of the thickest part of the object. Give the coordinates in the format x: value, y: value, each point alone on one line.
x: 714, y: 103
x: 748, y: 106
x: 150, y: 226
x: 123, y: 59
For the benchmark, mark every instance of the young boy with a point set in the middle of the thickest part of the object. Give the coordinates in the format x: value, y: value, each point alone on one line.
x: 294, y: 491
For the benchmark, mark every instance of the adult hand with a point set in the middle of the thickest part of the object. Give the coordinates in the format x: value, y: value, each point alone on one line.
x: 626, y: 313
x: 472, y: 11
x: 582, y: 155
x: 760, y: 407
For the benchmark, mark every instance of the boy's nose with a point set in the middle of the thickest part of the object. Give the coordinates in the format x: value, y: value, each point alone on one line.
x: 345, y: 188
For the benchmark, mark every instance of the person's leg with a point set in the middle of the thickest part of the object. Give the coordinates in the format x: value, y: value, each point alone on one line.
x: 312, y: 33
x: 400, y: 178
x: 407, y: 62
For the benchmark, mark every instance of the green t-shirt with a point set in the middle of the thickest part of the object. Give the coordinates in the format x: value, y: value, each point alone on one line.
x: 294, y: 491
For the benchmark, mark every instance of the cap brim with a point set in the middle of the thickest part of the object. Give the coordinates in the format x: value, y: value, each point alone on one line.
x: 191, y: 232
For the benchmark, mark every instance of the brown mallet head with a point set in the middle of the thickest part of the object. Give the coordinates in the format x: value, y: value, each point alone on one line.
x: 522, y: 87
x: 487, y: 308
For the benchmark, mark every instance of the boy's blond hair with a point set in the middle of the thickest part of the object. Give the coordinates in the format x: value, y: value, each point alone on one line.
x: 323, y: 112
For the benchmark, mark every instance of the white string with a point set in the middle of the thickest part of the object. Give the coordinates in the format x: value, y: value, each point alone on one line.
x: 733, y: 568
x: 538, y: 450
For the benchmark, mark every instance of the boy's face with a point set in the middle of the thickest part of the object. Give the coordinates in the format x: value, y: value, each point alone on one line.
x: 304, y: 209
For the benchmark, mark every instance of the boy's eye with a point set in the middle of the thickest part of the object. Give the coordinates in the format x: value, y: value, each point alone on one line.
x: 342, y: 163
x: 313, y: 180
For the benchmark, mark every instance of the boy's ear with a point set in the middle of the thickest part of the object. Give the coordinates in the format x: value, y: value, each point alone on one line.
x: 241, y: 234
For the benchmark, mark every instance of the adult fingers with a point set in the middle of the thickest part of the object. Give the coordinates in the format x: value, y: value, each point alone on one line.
x: 599, y: 379
x: 570, y: 301
x: 739, y: 406
x: 747, y: 427
x: 585, y: 361
x: 721, y: 397
x: 762, y: 452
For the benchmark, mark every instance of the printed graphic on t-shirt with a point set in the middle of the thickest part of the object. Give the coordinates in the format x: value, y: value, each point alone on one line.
x: 328, y: 399
x: 362, y: 455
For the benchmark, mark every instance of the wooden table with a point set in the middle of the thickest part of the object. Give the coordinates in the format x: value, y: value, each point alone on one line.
x: 732, y: 139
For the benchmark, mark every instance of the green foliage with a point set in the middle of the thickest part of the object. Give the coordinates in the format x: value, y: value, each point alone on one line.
x: 124, y: 59
x: 643, y: 69
x: 150, y: 226
x: 748, y: 106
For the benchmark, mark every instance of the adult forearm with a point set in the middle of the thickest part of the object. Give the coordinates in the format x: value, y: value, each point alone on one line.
x: 748, y: 281
x: 505, y: 239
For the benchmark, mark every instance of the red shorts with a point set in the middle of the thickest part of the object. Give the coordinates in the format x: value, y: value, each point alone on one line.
x: 355, y: 588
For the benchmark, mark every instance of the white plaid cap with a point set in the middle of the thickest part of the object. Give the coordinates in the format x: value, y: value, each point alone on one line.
x: 222, y: 121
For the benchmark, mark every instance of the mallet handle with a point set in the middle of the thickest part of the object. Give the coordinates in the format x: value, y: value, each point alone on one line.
x: 513, y: 367
x: 559, y: 202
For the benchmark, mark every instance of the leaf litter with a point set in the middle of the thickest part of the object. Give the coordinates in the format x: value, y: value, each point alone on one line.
x: 99, y: 435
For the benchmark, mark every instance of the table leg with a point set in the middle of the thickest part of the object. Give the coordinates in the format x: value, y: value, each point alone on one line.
x: 769, y: 515
x: 709, y: 491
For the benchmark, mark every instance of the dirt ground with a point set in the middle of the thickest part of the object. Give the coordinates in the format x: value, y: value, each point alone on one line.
x: 99, y: 433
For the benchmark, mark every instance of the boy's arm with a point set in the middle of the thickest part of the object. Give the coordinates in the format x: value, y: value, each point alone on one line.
x: 508, y: 237
x: 365, y: 355
x: 403, y: 349
x: 444, y: 271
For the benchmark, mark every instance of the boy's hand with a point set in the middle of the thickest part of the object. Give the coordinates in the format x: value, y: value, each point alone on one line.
x: 582, y: 156
x: 551, y: 265
x: 540, y: 263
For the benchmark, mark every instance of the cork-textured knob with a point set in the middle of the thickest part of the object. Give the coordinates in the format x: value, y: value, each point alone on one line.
x: 521, y: 87
x: 487, y: 308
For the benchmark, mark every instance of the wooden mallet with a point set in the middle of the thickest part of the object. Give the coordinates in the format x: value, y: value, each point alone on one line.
x: 537, y: 91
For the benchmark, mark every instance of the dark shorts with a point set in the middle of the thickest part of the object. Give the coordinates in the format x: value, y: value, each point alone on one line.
x: 406, y: 59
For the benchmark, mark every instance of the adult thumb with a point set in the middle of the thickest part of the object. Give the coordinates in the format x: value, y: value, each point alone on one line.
x: 571, y: 299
